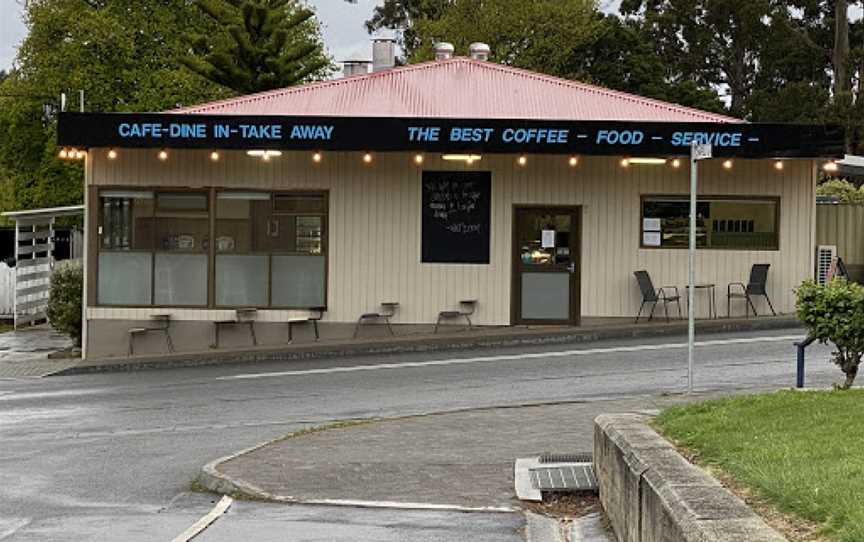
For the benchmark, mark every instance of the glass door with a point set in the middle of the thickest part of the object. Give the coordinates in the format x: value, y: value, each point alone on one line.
x: 546, y: 265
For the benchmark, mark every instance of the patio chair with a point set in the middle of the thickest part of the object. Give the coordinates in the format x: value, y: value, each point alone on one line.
x: 467, y: 307
x: 754, y: 287
x: 650, y: 295
x: 387, y: 312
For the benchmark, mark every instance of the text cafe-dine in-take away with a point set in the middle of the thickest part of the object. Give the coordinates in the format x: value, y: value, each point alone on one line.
x: 426, y: 185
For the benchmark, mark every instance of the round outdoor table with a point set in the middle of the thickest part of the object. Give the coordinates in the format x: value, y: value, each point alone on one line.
x: 712, y: 299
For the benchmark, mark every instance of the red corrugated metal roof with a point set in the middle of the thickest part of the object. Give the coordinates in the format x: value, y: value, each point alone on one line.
x: 457, y: 88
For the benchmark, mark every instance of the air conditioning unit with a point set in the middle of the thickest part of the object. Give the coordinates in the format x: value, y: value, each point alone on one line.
x: 825, y: 257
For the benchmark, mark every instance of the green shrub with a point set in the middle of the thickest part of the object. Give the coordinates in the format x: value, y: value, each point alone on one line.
x: 835, y: 312
x: 64, y: 305
x: 842, y: 189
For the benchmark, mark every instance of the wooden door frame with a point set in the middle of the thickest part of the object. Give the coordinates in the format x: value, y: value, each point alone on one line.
x: 575, y: 256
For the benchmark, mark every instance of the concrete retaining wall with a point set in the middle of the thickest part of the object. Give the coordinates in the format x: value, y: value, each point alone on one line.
x: 651, y: 493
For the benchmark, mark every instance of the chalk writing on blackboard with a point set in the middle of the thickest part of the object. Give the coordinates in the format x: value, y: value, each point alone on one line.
x: 456, y: 216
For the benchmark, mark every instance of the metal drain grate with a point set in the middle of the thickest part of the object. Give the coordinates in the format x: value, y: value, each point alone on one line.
x: 578, y: 457
x: 567, y: 478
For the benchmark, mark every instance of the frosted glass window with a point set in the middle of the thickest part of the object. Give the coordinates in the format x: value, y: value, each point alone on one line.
x: 181, y: 279
x: 545, y: 296
x: 241, y: 281
x: 124, y: 278
x: 298, y: 281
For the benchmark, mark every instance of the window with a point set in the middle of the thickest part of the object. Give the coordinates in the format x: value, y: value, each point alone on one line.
x: 723, y: 222
x: 153, y: 248
x: 269, y: 249
x: 125, y: 267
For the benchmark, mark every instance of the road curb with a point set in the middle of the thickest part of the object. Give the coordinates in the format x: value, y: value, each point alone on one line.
x: 424, y: 344
x: 651, y: 493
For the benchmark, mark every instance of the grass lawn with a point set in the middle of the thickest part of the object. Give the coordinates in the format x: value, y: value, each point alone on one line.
x: 800, y: 452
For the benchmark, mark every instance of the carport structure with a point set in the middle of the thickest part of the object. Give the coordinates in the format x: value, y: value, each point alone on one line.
x: 34, y: 260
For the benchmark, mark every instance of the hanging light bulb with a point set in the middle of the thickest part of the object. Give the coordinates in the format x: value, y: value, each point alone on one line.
x: 523, y: 160
x: 676, y: 163
x: 727, y: 164
x: 163, y: 155
x: 317, y: 157
x: 112, y: 154
x: 778, y: 165
x: 63, y: 153
x: 574, y: 161
x: 367, y: 158
x: 418, y: 159
x: 214, y: 156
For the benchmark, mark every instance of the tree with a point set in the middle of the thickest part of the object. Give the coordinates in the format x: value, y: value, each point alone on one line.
x: 260, y: 45
x: 121, y: 53
x: 835, y: 313
x: 401, y: 15
x: 716, y: 43
x: 843, y: 190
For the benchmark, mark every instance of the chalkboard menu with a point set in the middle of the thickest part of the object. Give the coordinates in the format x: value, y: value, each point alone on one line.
x: 456, y: 216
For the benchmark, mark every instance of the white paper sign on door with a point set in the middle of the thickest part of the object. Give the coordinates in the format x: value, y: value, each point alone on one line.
x: 547, y: 240
x: 651, y: 238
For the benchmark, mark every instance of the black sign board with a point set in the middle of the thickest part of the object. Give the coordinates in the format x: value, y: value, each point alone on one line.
x: 615, y: 138
x: 456, y: 216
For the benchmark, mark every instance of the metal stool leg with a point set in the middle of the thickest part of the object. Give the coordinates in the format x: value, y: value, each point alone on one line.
x: 252, y: 333
x: 438, y: 321
x: 315, y: 325
x: 168, y: 341
x: 131, y: 339
x: 357, y: 327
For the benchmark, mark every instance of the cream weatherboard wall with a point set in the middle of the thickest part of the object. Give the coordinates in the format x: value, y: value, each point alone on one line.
x: 374, y: 225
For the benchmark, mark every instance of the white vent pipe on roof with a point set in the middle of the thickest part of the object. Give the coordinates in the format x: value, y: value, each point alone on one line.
x: 443, y: 50
x: 383, y: 54
x: 351, y: 68
x: 479, y: 51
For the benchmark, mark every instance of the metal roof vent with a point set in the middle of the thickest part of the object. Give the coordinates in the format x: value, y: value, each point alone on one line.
x: 479, y: 51
x: 443, y: 50
x: 351, y: 68
x: 383, y: 54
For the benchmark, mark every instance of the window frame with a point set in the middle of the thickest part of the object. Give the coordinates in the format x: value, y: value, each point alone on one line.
x: 211, y: 253
x: 325, y: 223
x: 776, y: 200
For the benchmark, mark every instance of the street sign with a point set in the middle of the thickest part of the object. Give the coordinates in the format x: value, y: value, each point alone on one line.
x: 702, y: 152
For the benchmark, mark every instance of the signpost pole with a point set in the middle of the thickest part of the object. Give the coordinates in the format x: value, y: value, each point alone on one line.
x: 697, y: 152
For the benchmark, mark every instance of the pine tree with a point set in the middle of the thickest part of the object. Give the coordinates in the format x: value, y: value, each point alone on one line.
x: 262, y: 45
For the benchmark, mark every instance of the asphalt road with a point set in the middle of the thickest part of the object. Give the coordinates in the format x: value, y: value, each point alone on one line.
x: 111, y: 456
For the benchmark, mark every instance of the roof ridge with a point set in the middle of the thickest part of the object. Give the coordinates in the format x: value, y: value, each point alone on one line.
x: 486, y: 65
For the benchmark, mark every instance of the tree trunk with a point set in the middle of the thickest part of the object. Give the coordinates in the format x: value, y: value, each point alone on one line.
x: 850, y: 377
x: 840, y: 57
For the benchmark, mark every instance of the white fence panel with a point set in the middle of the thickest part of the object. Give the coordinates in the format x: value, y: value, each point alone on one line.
x: 7, y: 290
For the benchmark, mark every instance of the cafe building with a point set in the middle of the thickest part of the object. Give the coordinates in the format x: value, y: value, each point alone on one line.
x: 427, y: 185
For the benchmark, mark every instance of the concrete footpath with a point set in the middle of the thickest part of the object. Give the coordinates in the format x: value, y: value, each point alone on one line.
x: 458, y: 460
x: 24, y: 353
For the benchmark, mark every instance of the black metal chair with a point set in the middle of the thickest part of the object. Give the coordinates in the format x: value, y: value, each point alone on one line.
x: 650, y: 295
x: 467, y: 307
x: 754, y: 287
x: 389, y: 309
